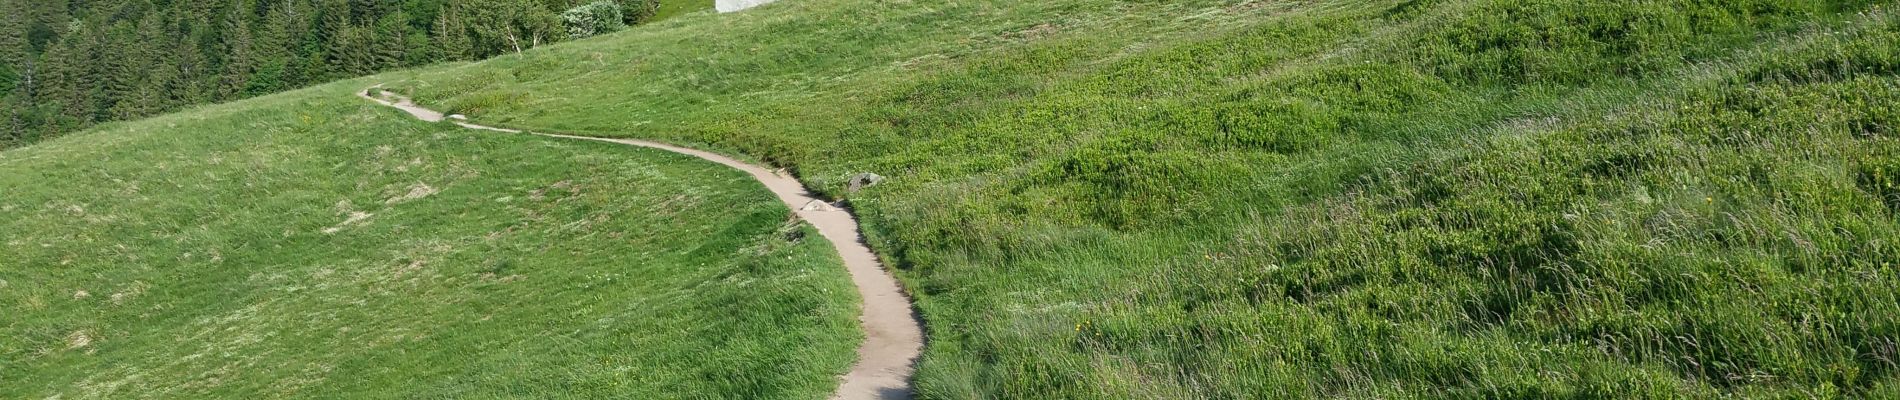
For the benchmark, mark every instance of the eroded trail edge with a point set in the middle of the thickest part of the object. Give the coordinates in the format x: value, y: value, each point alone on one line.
x: 892, y: 335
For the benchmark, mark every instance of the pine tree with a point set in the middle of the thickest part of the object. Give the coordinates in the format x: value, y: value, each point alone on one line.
x: 68, y: 63
x: 16, y: 73
x: 51, y: 19
x: 240, y: 58
x: 13, y: 31
x: 191, y: 66
x: 275, y: 58
x: 330, y: 42
x: 451, y: 36
x: 418, y: 50
x: 350, y: 51
x: 13, y: 48
x: 70, y: 74
x: 11, y: 103
x: 124, y: 91
x: 387, y: 42
x: 25, y: 114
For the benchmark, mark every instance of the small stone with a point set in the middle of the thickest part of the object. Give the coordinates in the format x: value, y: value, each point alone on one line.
x: 817, y: 205
x: 458, y: 117
x: 864, y: 180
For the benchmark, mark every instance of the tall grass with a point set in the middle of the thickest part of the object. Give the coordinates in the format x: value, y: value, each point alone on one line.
x: 313, y: 245
x: 1377, y: 199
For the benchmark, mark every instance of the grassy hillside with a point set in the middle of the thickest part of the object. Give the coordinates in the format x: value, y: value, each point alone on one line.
x: 312, y: 245
x: 670, y: 9
x: 1256, y: 199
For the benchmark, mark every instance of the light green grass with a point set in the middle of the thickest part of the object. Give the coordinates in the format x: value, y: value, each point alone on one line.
x: 1370, y: 199
x: 213, y: 254
x: 674, y: 8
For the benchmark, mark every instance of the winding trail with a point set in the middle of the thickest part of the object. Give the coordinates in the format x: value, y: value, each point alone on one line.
x: 893, y: 336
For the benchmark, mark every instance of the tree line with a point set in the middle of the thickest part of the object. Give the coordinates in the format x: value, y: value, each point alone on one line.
x: 68, y: 64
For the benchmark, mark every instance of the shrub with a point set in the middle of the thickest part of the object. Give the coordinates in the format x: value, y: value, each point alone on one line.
x: 593, y: 19
x: 635, y: 12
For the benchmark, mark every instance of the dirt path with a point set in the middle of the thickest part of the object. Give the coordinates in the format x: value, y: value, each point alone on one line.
x: 893, y: 336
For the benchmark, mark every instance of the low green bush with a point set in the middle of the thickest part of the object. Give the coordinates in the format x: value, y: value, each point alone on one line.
x: 594, y: 18
x: 635, y: 12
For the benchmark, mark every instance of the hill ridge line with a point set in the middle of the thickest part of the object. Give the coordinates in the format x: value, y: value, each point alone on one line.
x: 893, y: 333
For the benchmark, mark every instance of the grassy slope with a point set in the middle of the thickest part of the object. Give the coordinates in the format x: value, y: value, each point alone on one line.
x: 1241, y: 199
x: 670, y: 9
x: 187, y: 257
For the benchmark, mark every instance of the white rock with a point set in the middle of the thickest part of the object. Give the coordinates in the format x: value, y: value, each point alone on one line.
x: 861, y: 181
x: 726, y: 6
x: 817, y: 205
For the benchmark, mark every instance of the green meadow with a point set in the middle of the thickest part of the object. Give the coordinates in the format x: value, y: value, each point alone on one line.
x: 1088, y: 199
x: 315, y: 245
x: 1263, y: 199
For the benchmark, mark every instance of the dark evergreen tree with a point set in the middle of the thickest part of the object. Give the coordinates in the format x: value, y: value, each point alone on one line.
x: 70, y: 76
x: 388, y: 41
x: 13, y: 50
x: 13, y: 30
x: 240, y: 52
x: 451, y: 36
x: 330, y: 46
x: 65, y: 64
x: 351, y: 51
x: 124, y: 92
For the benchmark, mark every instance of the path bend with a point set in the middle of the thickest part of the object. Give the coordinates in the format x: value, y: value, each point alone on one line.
x: 893, y: 337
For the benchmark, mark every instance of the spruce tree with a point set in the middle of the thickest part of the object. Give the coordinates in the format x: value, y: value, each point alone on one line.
x: 68, y: 63
x: 387, y: 42
x: 451, y: 36
x: 51, y: 19
x: 13, y: 31
x: 190, y: 66
x: 276, y: 58
x: 69, y: 71
x: 13, y: 49
x: 240, y: 55
x: 331, y: 43
x: 16, y: 73
x: 350, y: 52
x: 129, y: 55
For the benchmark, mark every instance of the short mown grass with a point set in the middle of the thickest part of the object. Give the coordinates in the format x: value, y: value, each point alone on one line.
x: 1369, y: 199
x: 314, y: 245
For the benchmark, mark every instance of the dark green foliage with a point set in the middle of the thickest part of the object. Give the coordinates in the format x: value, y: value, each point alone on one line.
x: 593, y: 19
x: 125, y: 59
x: 9, y: 80
x: 635, y: 12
